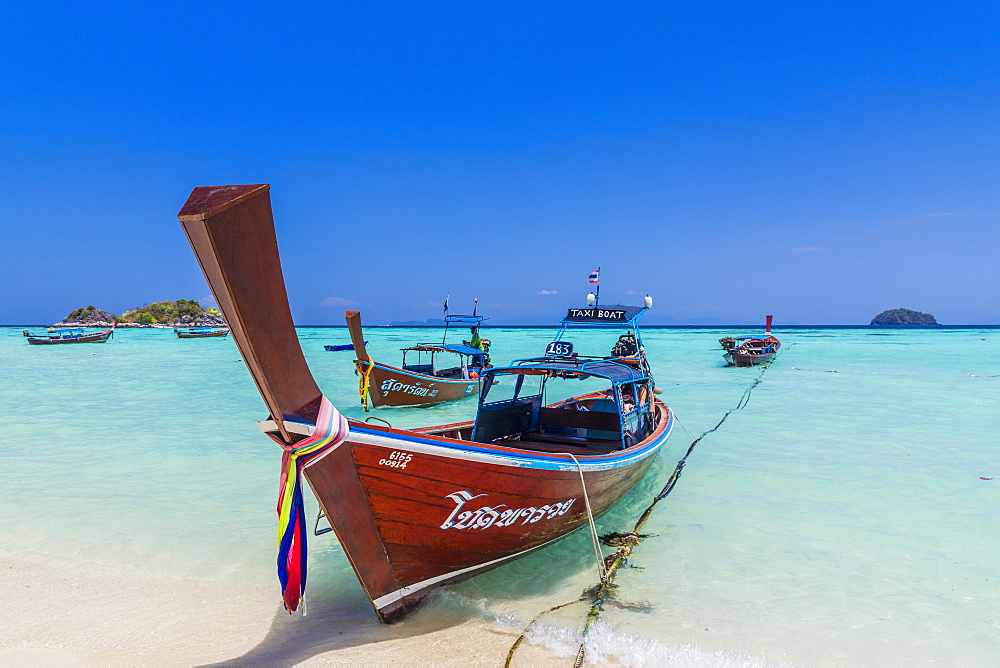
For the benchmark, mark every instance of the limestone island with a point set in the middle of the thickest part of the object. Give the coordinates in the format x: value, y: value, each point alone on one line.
x: 180, y: 313
x: 903, y: 316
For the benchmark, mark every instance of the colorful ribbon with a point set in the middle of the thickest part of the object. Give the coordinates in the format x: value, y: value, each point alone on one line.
x: 331, y: 430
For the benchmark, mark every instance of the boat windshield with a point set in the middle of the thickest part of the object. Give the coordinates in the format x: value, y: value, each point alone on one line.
x: 542, y: 403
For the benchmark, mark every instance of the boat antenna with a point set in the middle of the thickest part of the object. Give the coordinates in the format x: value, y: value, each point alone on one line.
x: 231, y: 230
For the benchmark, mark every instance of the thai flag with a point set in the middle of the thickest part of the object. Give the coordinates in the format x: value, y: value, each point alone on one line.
x: 475, y: 305
x: 595, y: 276
x: 446, y: 304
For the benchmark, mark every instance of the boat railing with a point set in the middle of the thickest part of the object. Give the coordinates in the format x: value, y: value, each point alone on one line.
x: 583, y: 364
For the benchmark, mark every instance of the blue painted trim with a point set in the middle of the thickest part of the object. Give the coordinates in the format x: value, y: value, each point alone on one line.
x: 548, y: 461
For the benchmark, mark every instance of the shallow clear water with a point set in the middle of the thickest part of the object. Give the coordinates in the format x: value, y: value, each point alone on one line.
x: 840, y: 518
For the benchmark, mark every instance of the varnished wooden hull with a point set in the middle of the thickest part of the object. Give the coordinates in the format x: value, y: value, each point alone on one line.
x: 97, y: 337
x: 183, y: 335
x: 414, y: 511
x: 390, y: 386
x: 738, y: 359
x: 735, y: 357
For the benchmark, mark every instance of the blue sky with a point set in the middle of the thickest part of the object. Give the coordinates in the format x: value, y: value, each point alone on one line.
x: 818, y: 161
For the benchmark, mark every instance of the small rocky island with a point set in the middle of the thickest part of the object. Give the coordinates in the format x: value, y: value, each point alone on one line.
x: 903, y: 316
x: 180, y: 313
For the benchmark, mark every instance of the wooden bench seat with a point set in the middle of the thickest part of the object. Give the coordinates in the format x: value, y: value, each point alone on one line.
x: 569, y: 417
x: 556, y: 444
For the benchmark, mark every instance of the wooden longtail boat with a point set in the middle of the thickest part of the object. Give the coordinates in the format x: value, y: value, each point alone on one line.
x: 422, y: 382
x: 751, y: 350
x: 69, y: 335
x: 200, y: 332
x: 417, y: 509
x: 339, y: 348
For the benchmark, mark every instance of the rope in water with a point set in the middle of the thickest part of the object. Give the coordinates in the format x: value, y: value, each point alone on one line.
x: 590, y: 516
x: 626, y: 542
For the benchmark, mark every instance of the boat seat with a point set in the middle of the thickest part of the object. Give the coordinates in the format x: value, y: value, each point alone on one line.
x: 555, y: 445
x: 570, y: 417
x: 502, y: 421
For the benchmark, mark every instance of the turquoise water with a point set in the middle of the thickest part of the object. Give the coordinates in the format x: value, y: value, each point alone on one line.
x: 840, y: 518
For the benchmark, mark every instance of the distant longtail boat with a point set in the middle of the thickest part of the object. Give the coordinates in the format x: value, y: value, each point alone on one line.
x: 423, y: 381
x: 415, y: 509
x: 200, y: 332
x: 751, y: 350
x: 69, y: 335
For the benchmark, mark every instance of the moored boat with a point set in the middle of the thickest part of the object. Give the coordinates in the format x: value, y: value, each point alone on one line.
x: 751, y: 350
x: 200, y: 332
x: 417, y: 509
x: 68, y: 335
x: 422, y: 379
x: 339, y: 347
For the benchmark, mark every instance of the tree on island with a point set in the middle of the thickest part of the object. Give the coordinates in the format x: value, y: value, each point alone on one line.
x: 183, y: 312
x: 903, y: 316
x: 88, y: 316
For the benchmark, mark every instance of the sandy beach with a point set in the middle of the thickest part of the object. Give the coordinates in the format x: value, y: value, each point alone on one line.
x: 58, y: 616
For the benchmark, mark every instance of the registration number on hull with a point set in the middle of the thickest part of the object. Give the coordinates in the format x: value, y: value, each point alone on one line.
x: 397, y: 460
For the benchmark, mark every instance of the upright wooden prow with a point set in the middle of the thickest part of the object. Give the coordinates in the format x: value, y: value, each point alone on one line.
x: 767, y: 325
x: 231, y: 230
x: 357, y: 336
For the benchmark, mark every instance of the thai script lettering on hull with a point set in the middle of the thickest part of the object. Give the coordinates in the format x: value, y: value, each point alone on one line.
x: 485, y: 517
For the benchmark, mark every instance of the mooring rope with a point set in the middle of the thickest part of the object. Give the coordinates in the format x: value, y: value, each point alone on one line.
x: 627, y: 542
x: 364, y: 383
x: 590, y: 516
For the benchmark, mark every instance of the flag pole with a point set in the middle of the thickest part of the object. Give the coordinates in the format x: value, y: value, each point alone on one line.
x: 444, y: 337
x: 597, y: 296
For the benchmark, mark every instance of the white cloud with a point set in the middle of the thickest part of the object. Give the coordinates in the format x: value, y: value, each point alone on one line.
x: 207, y: 301
x: 631, y: 292
x: 548, y: 292
x: 806, y: 249
x: 338, y: 301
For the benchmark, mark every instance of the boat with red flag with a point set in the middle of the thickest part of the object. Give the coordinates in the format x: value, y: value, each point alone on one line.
x: 751, y: 350
x: 558, y: 439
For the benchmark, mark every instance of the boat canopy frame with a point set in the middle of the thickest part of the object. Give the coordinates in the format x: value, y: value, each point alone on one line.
x: 471, y: 359
x: 630, y: 395
x: 59, y: 333
x: 617, y: 316
x: 474, y: 320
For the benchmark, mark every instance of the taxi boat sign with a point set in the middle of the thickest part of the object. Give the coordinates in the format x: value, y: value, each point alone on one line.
x: 605, y: 314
